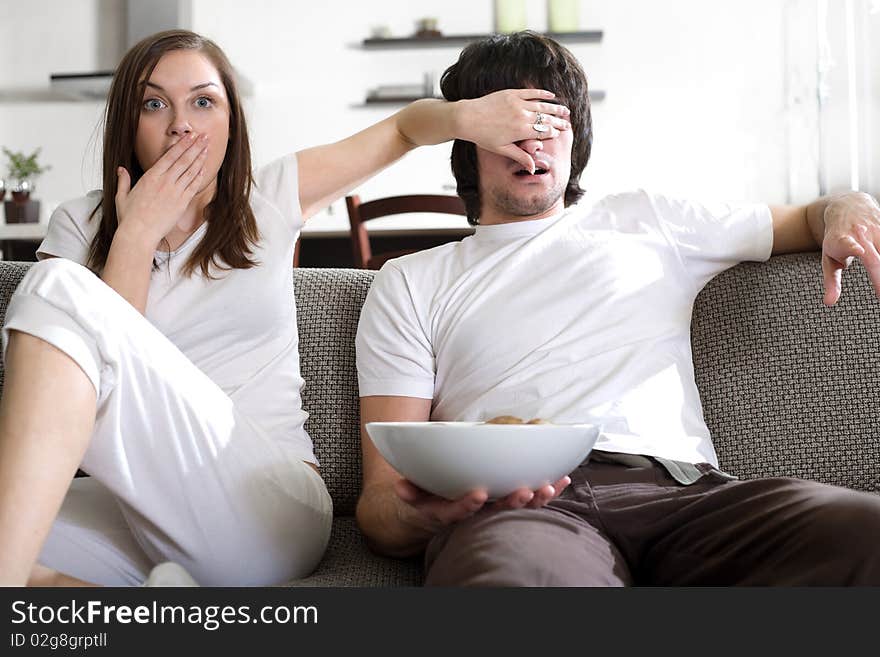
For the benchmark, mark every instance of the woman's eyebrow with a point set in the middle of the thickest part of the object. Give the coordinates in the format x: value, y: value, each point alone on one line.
x: 195, y: 88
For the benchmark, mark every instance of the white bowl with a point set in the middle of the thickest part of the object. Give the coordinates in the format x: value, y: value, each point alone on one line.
x: 451, y: 459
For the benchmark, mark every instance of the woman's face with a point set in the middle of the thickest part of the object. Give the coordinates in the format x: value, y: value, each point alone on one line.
x: 183, y: 94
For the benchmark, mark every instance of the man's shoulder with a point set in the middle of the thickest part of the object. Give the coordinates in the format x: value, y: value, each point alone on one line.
x: 420, y: 269
x: 633, y: 198
x: 644, y: 209
x: 425, y: 259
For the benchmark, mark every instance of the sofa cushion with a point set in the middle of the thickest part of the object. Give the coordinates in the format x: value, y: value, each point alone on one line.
x: 328, y: 305
x: 349, y: 562
x: 11, y: 274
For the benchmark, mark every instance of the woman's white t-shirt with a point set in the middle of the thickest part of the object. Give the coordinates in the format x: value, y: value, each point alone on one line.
x: 239, y: 328
x: 582, y: 317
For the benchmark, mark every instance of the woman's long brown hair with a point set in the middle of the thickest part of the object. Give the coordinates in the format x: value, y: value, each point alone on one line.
x: 232, y: 229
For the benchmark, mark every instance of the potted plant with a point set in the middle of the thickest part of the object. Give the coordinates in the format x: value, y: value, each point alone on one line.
x: 23, y: 169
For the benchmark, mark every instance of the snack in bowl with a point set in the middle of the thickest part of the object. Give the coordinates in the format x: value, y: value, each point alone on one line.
x: 450, y: 459
x: 512, y: 419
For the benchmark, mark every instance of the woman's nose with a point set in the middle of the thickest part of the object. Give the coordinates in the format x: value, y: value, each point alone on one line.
x: 180, y: 126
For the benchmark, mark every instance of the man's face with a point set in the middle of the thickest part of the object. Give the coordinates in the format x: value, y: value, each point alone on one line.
x: 509, y: 193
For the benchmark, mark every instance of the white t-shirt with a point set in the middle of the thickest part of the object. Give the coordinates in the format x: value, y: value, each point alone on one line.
x: 583, y: 317
x: 240, y: 328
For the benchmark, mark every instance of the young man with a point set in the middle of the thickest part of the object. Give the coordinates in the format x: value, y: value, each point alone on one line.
x: 583, y: 315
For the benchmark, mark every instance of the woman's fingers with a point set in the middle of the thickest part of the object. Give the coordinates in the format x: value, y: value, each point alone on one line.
x: 559, y: 123
x: 194, y: 171
x: 531, y: 94
x: 123, y: 184
x: 518, y: 155
x: 187, y: 158
x: 550, y: 133
x: 196, y: 183
x: 555, y: 124
x: 550, y: 109
x: 173, y: 154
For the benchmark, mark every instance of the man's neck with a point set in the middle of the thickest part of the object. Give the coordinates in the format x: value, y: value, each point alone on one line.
x: 493, y: 216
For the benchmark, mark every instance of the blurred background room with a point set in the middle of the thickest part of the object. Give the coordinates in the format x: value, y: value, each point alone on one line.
x: 761, y: 100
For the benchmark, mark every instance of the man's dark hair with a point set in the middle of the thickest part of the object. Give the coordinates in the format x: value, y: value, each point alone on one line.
x: 513, y: 61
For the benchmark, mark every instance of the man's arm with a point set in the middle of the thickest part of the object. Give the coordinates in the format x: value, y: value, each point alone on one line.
x: 392, y: 526
x: 798, y: 228
x: 843, y: 226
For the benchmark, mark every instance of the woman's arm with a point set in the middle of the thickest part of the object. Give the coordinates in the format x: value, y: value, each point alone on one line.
x: 494, y: 122
x: 129, y: 266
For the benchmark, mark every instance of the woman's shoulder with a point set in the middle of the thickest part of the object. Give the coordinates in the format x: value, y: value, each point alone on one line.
x: 72, y: 227
x: 80, y: 209
x: 276, y: 192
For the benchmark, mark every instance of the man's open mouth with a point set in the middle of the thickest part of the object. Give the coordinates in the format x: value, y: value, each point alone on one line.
x: 524, y: 172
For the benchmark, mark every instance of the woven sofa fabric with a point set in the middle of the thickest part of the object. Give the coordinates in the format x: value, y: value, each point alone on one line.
x: 11, y: 274
x: 329, y: 305
x: 788, y: 386
x: 349, y: 562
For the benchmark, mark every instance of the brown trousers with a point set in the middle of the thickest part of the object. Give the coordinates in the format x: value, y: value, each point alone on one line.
x: 618, y: 525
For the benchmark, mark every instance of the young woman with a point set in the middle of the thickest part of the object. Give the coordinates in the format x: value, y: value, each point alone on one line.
x: 155, y: 345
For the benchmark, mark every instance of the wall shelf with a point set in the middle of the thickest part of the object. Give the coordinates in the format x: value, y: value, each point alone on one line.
x: 595, y: 96
x: 40, y: 95
x: 591, y: 36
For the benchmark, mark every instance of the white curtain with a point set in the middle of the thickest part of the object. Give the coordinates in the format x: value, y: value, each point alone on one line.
x: 833, y: 96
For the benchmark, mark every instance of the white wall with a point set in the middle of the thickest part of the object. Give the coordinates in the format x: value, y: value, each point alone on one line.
x: 695, y: 90
x: 39, y: 37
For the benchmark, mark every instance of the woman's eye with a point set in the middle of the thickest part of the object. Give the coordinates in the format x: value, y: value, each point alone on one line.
x: 154, y: 104
x: 204, y: 102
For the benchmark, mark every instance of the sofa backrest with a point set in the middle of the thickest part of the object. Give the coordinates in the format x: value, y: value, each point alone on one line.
x: 789, y: 387
x: 328, y: 303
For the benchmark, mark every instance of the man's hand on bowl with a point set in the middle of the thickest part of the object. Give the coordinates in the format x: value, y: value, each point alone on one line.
x: 438, y: 512
x: 523, y: 497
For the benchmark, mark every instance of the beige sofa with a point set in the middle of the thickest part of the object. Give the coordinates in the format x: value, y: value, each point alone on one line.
x: 788, y: 386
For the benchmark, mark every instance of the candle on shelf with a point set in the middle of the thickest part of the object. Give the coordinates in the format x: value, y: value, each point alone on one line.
x: 510, y: 15
x: 563, y: 15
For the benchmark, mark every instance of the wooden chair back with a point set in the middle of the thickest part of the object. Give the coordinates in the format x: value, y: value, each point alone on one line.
x: 360, y: 213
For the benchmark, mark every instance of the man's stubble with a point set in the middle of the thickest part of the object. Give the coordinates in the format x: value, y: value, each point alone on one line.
x: 524, y: 205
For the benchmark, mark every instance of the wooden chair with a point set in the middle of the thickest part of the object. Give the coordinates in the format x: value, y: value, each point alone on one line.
x: 360, y: 213
x: 296, y: 251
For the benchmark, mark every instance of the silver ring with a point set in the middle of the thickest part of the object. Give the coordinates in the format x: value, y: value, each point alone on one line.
x: 539, y: 125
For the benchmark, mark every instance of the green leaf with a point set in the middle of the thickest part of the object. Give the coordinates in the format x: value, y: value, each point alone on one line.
x: 22, y: 166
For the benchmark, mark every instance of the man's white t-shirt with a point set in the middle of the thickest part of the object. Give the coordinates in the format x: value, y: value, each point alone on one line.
x: 240, y: 328
x: 582, y: 317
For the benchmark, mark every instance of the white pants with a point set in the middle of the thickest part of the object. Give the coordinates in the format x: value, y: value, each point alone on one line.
x: 178, y: 473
